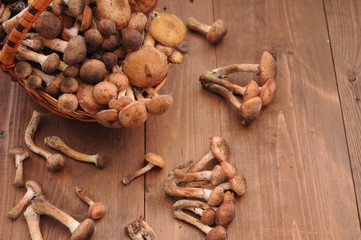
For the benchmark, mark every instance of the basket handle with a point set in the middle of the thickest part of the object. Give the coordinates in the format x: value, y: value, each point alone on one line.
x: 17, y: 34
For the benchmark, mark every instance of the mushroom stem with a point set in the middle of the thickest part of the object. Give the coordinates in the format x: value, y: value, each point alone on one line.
x: 10, y: 23
x: 179, y: 214
x: 224, y: 92
x: 83, y: 197
x: 55, y: 162
x: 130, y: 177
x: 19, y: 154
x: 214, y: 33
x: 216, y: 176
x: 140, y: 229
x: 200, y: 164
x: 48, y: 79
x: 33, y: 221
x: 58, y: 144
x: 195, y: 25
x: 208, y: 77
x: 233, y: 68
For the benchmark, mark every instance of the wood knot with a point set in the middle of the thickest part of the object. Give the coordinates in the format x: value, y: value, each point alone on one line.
x: 351, y: 75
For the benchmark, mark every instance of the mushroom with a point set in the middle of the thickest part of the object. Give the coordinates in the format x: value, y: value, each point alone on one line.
x: 54, y: 162
x: 69, y: 85
x: 266, y: 68
x: 115, y: 10
x: 96, y: 209
x: 137, y: 21
x: 106, y: 27
x: 216, y: 233
x: 19, y: 154
x: 86, y: 19
x: 140, y: 229
x: 71, y: 71
x: 143, y: 6
x: 36, y: 43
x: 229, y: 169
x: 216, y: 177
x: 213, y: 197
x: 74, y: 7
x: 109, y: 118
x: 68, y: 102
x: 168, y: 29
x: 48, y: 25
x: 119, y: 79
x: 249, y: 109
x: 132, y: 39
x: 111, y: 43
x: 152, y: 159
x: 68, y: 33
x: 145, y: 67
x: 238, y: 184
x: 33, y: 221
x: 176, y: 57
x: 93, y: 39
x: 219, y: 150
x: 214, y: 33
x: 9, y: 24
x: 164, y: 49
x: 226, y: 212
x: 109, y: 59
x: 58, y: 144
x: 79, y: 230
x: 86, y: 99
x: 267, y: 92
x: 198, y: 207
x: 121, y: 102
x: 49, y: 64
x: 33, y: 189
x: 52, y: 82
x: 34, y: 82
x: 22, y: 69
x: 208, y: 216
x: 92, y: 71
x: 158, y: 104
x: 104, y: 92
x: 183, y: 47
x: 133, y: 114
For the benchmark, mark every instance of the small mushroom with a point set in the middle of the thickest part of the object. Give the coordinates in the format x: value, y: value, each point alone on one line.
x: 69, y: 85
x: 137, y: 21
x: 139, y: 230
x: 33, y: 221
x: 214, y: 33
x: 145, y: 67
x: 54, y: 162
x: 104, y: 92
x: 22, y: 69
x: 198, y: 207
x: 119, y: 79
x: 34, y: 82
x: 49, y: 64
x: 58, y: 144
x: 96, y: 209
x: 33, y: 189
x: 109, y: 59
x: 68, y: 102
x: 9, y: 24
x: 267, y: 92
x: 229, y: 169
x: 86, y: 19
x: 216, y: 176
x: 176, y: 57
x: 168, y: 29
x: 107, y: 27
x: 226, y: 212
x: 164, y: 49
x: 79, y: 230
x: 36, y: 43
x: 71, y: 71
x: 93, y: 39
x: 219, y: 150
x: 92, y: 71
x: 19, y: 154
x: 216, y: 233
x: 86, y: 99
x: 208, y: 216
x: 48, y: 25
x: 115, y: 10
x: 143, y: 6
x: 121, y: 102
x: 132, y: 39
x: 249, y: 109
x: 238, y: 184
x: 158, y: 104
x: 153, y: 160
x: 111, y: 43
x: 109, y: 118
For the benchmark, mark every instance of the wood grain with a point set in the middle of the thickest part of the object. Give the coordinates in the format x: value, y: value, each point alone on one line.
x: 343, y: 18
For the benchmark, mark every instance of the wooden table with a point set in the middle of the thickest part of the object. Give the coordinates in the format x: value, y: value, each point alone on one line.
x: 301, y: 157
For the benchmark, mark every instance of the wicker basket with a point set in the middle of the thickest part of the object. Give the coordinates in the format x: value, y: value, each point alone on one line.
x: 7, y: 63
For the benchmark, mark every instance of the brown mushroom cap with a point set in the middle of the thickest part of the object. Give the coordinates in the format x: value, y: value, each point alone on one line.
x: 86, y: 99
x: 267, y: 67
x: 250, y: 110
x: 69, y: 85
x: 104, y: 91
x: 55, y: 162
x: 219, y: 148
x: 76, y: 7
x: 217, y: 32
x: 176, y: 57
x: 229, y: 169
x: 207, y: 217
x: 218, y: 175
x: 93, y: 39
x: 145, y: 67
x: 34, y: 82
x: 267, y: 92
x: 159, y: 104
x: 154, y: 159
x: 22, y: 69
x: 109, y: 118
x: 144, y: 6
x: 75, y: 50
x: 51, y: 64
x: 71, y: 71
x: 58, y: 6
x: 92, y: 71
x: 252, y: 90
x: 119, y: 79
x: 216, y: 197
x: 68, y: 102
x: 226, y: 212
x: 111, y: 42
x: 19, y: 151
x: 48, y: 25
x: 116, y: 10
x: 133, y: 115
x: 106, y: 27
x: 35, y: 186
x: 109, y: 59
x: 132, y: 39
x: 217, y: 233
x: 120, y: 103
x: 138, y: 21
x: 84, y: 231
x: 96, y: 210
x: 167, y: 29
x: 238, y: 184
x: 87, y: 18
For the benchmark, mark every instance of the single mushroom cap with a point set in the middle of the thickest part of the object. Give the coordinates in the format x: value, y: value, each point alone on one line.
x: 219, y: 148
x: 167, y: 29
x: 217, y: 31
x: 216, y: 197
x: 217, y: 233
x: 68, y: 102
x: 106, y: 27
x: 250, y: 110
x: 75, y: 7
x: 22, y: 69
x: 137, y: 21
x: 159, y: 104
x: 84, y: 231
x: 154, y: 159
x: 133, y: 115
x: 75, y: 50
x: 109, y: 118
x: 51, y: 64
x: 132, y: 39
x: 144, y: 6
x: 71, y: 71
x: 208, y: 216
x: 69, y: 85
x: 226, y: 212
x: 267, y: 67
x: 104, y: 92
x: 92, y: 71
x: 116, y: 10
x: 119, y: 79
x: 267, y: 92
x: 111, y: 43
x: 229, y: 169
x: 109, y: 59
x: 120, y: 103
x: 238, y: 184
x: 48, y: 25
x: 145, y: 67
x: 251, y: 91
x: 86, y: 99
x: 93, y: 39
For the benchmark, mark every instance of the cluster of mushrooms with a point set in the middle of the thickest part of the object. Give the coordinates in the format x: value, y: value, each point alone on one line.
x: 37, y: 204
x: 207, y: 193
x: 253, y: 96
x: 104, y: 57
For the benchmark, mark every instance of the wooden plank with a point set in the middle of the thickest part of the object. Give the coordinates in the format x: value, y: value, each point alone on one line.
x: 182, y: 133
x: 123, y: 147
x: 343, y: 18
x: 295, y: 154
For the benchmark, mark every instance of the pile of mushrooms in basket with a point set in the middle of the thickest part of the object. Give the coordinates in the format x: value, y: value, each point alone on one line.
x: 105, y: 57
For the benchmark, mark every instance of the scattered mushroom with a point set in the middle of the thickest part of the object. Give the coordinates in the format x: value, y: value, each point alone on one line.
x: 58, y: 144
x: 139, y: 229
x: 49, y: 64
x: 33, y: 189
x: 152, y: 159
x: 226, y: 212
x: 96, y: 209
x: 214, y: 33
x: 33, y: 221
x: 19, y: 154
x: 54, y: 162
x: 79, y: 230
